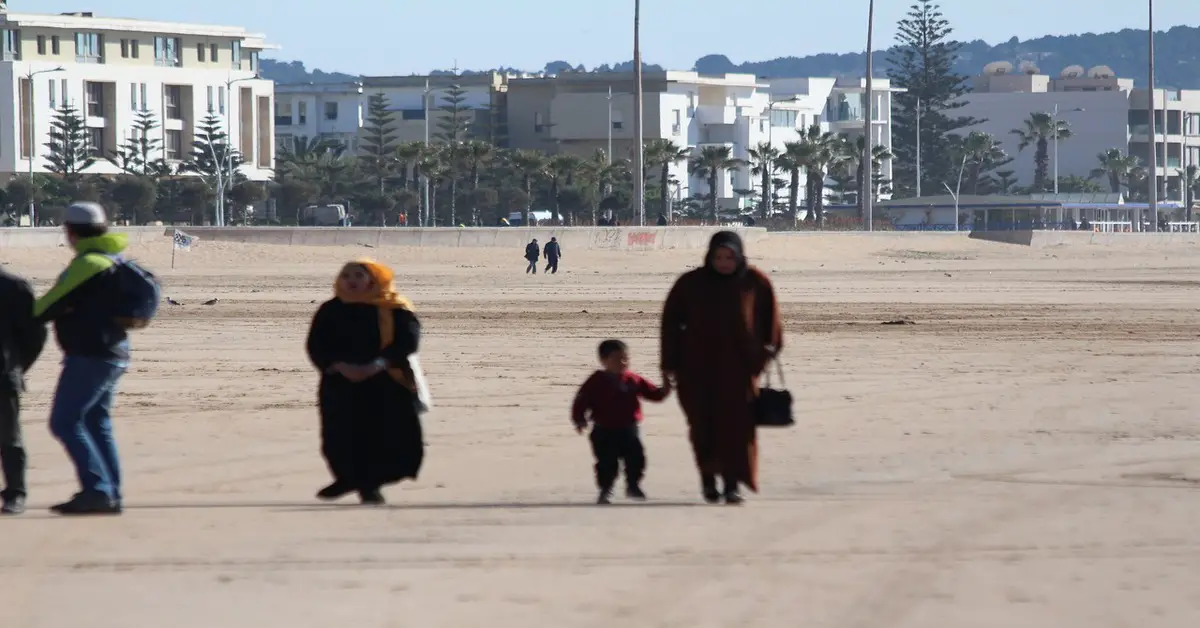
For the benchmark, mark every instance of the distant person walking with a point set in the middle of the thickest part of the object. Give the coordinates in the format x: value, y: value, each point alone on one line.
x: 21, y: 342
x: 720, y: 330
x: 552, y: 251
x: 532, y: 250
x: 363, y: 342
x: 93, y: 305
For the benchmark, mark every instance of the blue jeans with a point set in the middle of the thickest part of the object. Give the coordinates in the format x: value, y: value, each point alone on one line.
x: 81, y: 420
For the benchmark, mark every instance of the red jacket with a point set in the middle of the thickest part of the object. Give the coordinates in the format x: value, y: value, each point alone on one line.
x: 613, y: 401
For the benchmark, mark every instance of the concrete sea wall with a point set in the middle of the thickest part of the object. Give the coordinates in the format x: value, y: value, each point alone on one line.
x: 571, y: 238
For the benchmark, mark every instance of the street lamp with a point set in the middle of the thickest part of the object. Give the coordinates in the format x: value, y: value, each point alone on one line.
x: 638, y: 154
x: 32, y: 133
x: 1054, y: 130
x: 224, y: 163
x: 957, y: 189
x: 868, y: 188
x: 1153, y: 165
x: 610, y: 125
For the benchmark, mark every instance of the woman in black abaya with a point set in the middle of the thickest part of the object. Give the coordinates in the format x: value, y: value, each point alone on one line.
x: 361, y: 341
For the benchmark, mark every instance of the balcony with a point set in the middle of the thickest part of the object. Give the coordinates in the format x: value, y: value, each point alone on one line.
x: 719, y: 134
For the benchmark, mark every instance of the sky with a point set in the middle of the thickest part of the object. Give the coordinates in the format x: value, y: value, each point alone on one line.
x: 382, y: 37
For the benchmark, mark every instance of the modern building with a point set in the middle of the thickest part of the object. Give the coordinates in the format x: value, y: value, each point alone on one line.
x: 330, y: 112
x: 1103, y: 112
x: 111, y: 69
x: 585, y: 112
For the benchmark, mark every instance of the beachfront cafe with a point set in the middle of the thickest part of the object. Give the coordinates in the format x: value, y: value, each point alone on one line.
x: 1098, y: 212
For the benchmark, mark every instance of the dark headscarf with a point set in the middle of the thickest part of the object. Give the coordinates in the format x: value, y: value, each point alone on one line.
x: 731, y: 241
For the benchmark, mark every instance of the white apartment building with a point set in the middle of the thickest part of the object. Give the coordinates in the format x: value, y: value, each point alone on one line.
x: 571, y: 112
x: 110, y: 69
x: 1103, y: 112
x: 331, y: 112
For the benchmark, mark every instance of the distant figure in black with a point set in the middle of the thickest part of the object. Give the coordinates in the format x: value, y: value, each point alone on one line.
x: 532, y: 250
x: 662, y: 220
x: 552, y: 252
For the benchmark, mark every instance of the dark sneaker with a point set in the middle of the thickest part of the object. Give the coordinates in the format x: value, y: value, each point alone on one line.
x: 605, y: 497
x: 334, y: 491
x: 371, y: 497
x: 709, y: 486
x: 13, y: 506
x: 89, y: 503
x: 635, y: 493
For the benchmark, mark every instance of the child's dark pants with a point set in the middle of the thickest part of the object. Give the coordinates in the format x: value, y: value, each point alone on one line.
x: 613, y: 444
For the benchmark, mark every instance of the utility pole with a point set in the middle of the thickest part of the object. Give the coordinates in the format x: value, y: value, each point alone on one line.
x: 868, y: 183
x: 1153, y: 166
x: 918, y: 147
x: 639, y: 183
x: 610, y: 125
x: 428, y: 217
x: 33, y: 131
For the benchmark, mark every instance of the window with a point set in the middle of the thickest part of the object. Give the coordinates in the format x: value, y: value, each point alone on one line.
x: 236, y: 55
x: 173, y: 145
x: 783, y: 118
x: 221, y: 100
x: 210, y: 98
x: 538, y: 127
x: 95, y: 99
x: 302, y: 112
x: 212, y: 52
x: 55, y: 45
x: 172, y: 100
x: 200, y: 48
x: 26, y: 99
x: 283, y: 113
x: 124, y: 48
x: 677, y: 127
x: 65, y: 94
x: 166, y: 51
x: 133, y: 96
x: 41, y: 44
x: 143, y: 90
x: 134, y: 48
x: 618, y: 120
x: 254, y: 61
x: 53, y: 94
x: 412, y: 114
x: 95, y: 141
x: 89, y: 48
x: 331, y: 111
x: 12, y: 45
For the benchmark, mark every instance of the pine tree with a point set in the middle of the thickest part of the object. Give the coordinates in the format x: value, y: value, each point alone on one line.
x: 135, y: 156
x: 455, y: 126
x: 922, y: 64
x: 69, y: 153
x: 377, y: 141
x: 212, y: 154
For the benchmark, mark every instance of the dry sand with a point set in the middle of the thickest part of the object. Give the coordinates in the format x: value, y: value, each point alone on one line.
x: 1025, y: 454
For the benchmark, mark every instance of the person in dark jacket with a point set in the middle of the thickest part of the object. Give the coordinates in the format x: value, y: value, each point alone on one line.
x: 363, y: 342
x: 553, y: 251
x: 95, y: 348
x: 21, y: 342
x: 531, y: 255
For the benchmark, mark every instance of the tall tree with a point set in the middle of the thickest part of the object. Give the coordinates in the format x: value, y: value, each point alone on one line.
x: 817, y: 153
x: 1190, y: 178
x: 709, y: 165
x: 139, y: 155
x: 531, y: 165
x: 1116, y: 167
x: 562, y: 170
x: 1038, y: 130
x: 212, y: 154
x: 664, y: 154
x: 763, y: 160
x: 983, y: 154
x: 377, y: 140
x: 849, y: 160
x: 69, y: 151
x: 923, y: 65
x: 454, y: 128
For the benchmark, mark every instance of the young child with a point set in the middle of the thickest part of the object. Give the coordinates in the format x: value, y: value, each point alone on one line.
x: 610, y: 399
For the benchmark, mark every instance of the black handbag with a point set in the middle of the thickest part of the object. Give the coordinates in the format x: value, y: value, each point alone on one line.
x: 773, y: 407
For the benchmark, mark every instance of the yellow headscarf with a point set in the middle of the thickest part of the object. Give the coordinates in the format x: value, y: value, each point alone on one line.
x: 385, y: 297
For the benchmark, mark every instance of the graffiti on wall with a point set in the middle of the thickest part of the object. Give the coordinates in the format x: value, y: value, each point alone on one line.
x: 642, y: 238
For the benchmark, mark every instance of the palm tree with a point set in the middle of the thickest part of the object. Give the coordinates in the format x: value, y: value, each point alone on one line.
x: 792, y: 162
x: 1007, y: 179
x: 434, y: 168
x: 602, y: 175
x: 477, y: 155
x: 302, y: 151
x: 1039, y: 130
x: 1190, y: 178
x: 1117, y: 167
x: 408, y: 154
x: 709, y: 164
x: 664, y: 154
x: 849, y: 159
x: 763, y: 160
x: 817, y: 152
x: 561, y: 169
x: 531, y: 165
x: 983, y: 153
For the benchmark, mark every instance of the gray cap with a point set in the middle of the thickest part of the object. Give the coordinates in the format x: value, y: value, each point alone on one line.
x: 85, y: 213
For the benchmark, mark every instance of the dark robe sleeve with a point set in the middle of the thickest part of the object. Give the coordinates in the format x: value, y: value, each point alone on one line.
x: 321, y: 343
x: 671, y: 333
x: 407, y: 340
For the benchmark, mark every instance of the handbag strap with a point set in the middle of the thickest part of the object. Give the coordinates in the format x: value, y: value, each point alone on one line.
x: 778, y: 369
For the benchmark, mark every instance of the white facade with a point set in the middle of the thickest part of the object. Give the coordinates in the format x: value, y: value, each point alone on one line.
x: 332, y: 112
x: 1103, y: 113
x: 111, y: 69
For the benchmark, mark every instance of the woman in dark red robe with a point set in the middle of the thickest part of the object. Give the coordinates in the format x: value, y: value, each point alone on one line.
x: 720, y: 330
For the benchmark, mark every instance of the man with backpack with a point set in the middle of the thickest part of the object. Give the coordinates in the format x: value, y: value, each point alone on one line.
x: 21, y: 342
x: 94, y: 303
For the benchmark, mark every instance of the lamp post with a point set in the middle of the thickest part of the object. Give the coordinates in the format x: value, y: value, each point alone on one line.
x: 1153, y: 165
x: 868, y: 187
x: 1054, y: 130
x: 223, y: 164
x: 957, y: 190
x: 918, y: 147
x: 638, y: 154
x: 33, y: 133
x: 610, y: 125
x: 424, y: 178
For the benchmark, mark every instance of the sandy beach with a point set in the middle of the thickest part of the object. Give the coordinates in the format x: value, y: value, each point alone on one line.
x: 1025, y: 453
